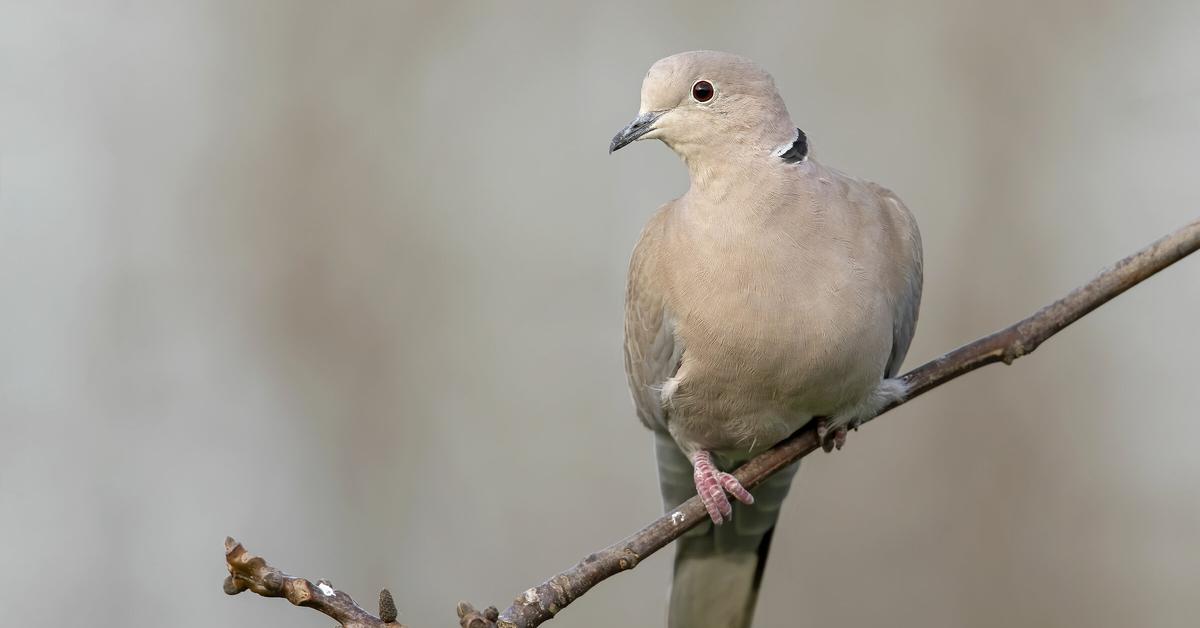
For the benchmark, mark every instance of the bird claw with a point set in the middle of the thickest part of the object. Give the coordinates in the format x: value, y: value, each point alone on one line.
x: 829, y: 444
x: 711, y: 486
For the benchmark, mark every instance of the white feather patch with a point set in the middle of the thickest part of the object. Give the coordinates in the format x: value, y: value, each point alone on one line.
x: 668, y: 390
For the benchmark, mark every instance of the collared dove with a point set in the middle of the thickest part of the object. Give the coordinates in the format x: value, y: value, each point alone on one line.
x: 776, y: 290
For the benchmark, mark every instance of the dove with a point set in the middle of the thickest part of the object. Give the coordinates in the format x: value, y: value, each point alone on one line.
x: 774, y: 292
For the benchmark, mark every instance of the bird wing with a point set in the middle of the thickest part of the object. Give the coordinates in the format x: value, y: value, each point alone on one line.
x: 907, y: 265
x: 652, y: 353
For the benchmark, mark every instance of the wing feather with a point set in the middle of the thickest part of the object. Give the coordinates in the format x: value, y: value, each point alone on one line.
x: 652, y: 353
x: 908, y: 264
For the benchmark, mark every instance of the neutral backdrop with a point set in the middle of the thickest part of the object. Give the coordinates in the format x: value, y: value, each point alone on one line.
x: 345, y: 281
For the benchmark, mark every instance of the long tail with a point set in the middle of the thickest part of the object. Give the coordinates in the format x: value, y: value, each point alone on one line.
x: 718, y: 569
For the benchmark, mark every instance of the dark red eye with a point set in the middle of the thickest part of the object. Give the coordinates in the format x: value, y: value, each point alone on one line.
x: 702, y: 91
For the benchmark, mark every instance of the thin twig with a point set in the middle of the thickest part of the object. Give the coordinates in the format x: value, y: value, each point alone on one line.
x: 247, y: 571
x: 541, y: 603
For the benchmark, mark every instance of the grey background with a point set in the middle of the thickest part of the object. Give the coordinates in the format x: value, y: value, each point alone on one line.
x: 345, y: 280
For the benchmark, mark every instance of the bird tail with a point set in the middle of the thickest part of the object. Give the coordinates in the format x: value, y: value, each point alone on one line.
x: 718, y: 569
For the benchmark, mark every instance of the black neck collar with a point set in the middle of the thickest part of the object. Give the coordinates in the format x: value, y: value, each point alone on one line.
x: 798, y: 151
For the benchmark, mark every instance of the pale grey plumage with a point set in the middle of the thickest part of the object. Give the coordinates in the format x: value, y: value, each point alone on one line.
x: 773, y: 291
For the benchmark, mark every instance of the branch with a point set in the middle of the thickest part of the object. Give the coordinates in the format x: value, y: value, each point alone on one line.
x: 541, y: 603
x: 247, y: 571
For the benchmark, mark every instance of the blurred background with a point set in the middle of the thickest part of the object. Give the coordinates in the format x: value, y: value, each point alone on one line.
x: 345, y: 281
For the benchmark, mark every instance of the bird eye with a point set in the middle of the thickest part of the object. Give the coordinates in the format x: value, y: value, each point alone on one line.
x: 702, y: 91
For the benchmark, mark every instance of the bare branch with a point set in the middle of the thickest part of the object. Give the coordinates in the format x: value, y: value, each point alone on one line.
x: 541, y: 603
x: 247, y: 571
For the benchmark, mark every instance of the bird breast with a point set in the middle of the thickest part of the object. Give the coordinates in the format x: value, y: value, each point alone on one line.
x: 774, y: 329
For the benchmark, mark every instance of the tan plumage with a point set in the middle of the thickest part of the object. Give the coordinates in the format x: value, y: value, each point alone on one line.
x: 775, y: 290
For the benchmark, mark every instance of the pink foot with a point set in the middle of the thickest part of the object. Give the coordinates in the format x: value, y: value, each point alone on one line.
x: 839, y: 438
x: 822, y: 431
x: 712, y: 484
x: 828, y: 444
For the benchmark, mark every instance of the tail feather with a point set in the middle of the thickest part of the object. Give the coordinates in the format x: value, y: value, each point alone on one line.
x: 719, y: 569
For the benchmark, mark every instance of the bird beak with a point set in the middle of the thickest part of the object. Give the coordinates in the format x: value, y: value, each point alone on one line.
x: 640, y: 126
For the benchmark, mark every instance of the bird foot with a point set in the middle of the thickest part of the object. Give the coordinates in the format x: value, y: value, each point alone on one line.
x: 711, y: 486
x: 829, y: 444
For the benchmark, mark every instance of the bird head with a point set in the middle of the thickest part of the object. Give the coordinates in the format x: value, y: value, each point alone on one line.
x: 707, y: 103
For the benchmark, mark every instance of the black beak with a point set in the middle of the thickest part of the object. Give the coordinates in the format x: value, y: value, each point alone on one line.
x: 640, y: 126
